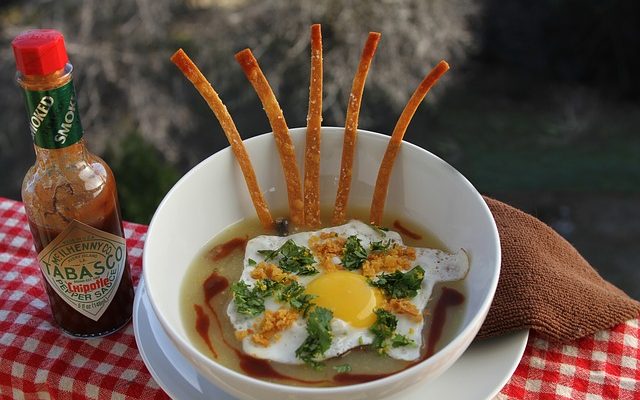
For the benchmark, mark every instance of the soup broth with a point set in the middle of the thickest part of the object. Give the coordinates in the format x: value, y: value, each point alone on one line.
x: 206, y: 293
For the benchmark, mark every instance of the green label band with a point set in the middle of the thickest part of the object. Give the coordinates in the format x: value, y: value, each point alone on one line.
x: 53, y: 117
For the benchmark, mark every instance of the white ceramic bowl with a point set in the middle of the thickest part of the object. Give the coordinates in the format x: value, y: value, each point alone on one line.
x: 423, y: 188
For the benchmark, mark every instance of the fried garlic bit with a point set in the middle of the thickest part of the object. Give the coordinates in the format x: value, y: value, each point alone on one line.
x: 326, y: 246
x: 272, y: 324
x: 272, y: 272
x: 403, y: 306
x: 243, y: 334
x: 397, y: 258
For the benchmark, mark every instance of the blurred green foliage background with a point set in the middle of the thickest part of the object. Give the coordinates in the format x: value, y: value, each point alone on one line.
x: 541, y: 108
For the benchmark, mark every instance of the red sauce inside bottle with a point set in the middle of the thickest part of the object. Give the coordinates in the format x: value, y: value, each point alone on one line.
x: 117, y: 314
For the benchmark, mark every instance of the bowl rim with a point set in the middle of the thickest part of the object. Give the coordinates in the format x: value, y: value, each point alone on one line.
x: 471, y: 329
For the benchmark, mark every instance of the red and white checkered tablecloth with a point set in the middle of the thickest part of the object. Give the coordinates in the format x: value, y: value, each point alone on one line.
x: 38, y: 362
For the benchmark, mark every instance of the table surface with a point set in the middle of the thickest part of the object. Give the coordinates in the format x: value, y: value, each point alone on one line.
x: 38, y: 362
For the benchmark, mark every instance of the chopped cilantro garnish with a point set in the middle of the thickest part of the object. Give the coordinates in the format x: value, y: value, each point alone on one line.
x: 269, y: 254
x: 342, y: 368
x: 400, y: 285
x: 292, y: 258
x: 383, y: 329
x: 292, y: 290
x: 380, y: 245
x: 266, y: 287
x: 251, y: 262
x: 354, y: 254
x: 248, y: 301
x: 294, y: 294
x: 401, y: 340
x: 319, y: 337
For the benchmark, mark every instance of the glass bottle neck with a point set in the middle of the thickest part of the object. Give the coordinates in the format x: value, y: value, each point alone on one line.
x: 45, y: 82
x: 52, y: 109
x: 75, y: 152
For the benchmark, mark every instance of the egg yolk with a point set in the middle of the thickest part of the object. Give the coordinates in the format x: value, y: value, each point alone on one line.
x: 348, y: 295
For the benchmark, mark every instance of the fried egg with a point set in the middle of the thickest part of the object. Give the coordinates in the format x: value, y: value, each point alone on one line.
x: 349, y: 294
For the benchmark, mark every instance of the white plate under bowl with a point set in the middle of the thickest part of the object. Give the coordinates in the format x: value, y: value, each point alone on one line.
x: 480, y: 373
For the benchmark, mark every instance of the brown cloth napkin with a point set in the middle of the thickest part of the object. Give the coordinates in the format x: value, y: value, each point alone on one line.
x: 546, y: 285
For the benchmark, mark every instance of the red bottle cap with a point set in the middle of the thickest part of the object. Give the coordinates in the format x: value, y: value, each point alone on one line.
x: 39, y: 52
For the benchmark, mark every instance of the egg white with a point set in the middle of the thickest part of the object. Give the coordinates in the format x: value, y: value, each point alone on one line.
x: 439, y: 266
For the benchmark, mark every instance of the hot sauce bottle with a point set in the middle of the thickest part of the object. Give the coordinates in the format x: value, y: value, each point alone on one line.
x: 70, y: 198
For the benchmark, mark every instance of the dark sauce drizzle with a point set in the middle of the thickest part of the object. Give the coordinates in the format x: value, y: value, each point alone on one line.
x: 222, y: 250
x: 258, y: 368
x: 448, y: 298
x: 202, y: 327
x: 212, y: 286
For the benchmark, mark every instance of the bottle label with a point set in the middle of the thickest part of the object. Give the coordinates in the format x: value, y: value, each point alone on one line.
x: 84, y: 266
x: 53, y: 116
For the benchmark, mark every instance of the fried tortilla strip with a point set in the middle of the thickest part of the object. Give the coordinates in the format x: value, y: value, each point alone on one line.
x: 314, y: 121
x: 351, y: 126
x: 280, y: 132
x: 193, y: 74
x: 384, y: 173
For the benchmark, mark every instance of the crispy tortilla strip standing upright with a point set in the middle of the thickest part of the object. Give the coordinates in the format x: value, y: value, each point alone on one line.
x: 280, y: 131
x: 193, y: 74
x: 314, y: 122
x: 351, y: 126
x: 384, y: 173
